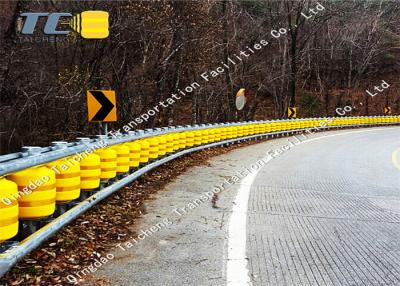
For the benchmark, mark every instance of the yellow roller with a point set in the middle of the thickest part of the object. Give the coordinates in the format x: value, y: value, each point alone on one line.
x: 263, y: 128
x: 228, y: 133
x: 170, y: 143
x: 108, y: 163
x: 211, y: 135
x: 204, y: 136
x: 197, y: 137
x: 162, y: 145
x: 39, y: 188
x: 217, y: 134
x: 182, y: 140
x: 134, y: 154
x: 223, y: 133
x: 122, y: 158
x: 256, y: 128
x: 8, y: 209
x: 251, y: 129
x: 233, y: 132
x: 177, y: 141
x: 144, y: 151
x: 189, y: 139
x: 68, y: 180
x: 153, y: 150
x: 297, y: 124
x: 270, y: 127
x: 278, y: 126
x: 240, y: 131
x: 286, y: 125
x: 246, y: 129
x: 90, y: 172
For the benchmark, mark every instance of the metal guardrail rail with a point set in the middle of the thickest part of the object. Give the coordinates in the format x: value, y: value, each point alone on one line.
x: 30, y: 157
x: 33, y: 156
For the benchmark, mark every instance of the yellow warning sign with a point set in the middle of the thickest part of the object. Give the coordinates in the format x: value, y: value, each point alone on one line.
x: 387, y: 110
x: 101, y: 105
x: 292, y: 112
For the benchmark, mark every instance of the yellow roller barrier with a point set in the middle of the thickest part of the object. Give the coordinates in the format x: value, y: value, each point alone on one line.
x: 8, y: 209
x: 68, y: 180
x: 204, y: 136
x: 90, y: 172
x: 217, y: 134
x: 234, y: 132
x: 39, y: 188
x: 229, y: 132
x: 197, y: 137
x: 162, y: 145
x: 170, y: 143
x: 134, y: 154
x: 190, y: 139
x: 177, y: 141
x: 211, y: 135
x: 153, y: 150
x: 182, y: 140
x: 144, y: 151
x: 224, y: 133
x: 108, y: 163
x: 257, y: 128
x: 122, y: 158
x: 240, y: 131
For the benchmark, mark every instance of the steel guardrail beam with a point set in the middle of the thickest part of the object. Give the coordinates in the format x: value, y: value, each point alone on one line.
x: 11, y: 163
x: 19, y: 161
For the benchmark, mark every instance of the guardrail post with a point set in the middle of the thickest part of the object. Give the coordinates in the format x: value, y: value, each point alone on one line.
x: 31, y: 151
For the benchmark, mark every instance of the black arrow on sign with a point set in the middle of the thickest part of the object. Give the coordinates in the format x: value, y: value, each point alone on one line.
x: 106, y: 105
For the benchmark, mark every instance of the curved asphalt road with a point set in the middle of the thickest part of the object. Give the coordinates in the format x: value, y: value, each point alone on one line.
x: 325, y: 212
x: 328, y: 213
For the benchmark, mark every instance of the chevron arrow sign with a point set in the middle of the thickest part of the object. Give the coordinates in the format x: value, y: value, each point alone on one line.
x: 101, y: 105
x: 292, y: 112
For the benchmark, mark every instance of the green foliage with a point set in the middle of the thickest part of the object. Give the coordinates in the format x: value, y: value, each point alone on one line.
x: 310, y: 105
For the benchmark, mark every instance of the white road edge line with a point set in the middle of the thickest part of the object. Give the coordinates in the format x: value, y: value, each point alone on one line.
x: 237, y: 272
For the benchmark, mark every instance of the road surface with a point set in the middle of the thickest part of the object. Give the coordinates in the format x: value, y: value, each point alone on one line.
x: 324, y: 212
